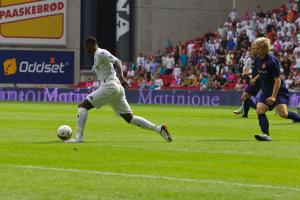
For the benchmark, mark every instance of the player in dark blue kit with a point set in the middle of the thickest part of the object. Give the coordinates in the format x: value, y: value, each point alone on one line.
x: 253, y: 88
x: 274, y: 92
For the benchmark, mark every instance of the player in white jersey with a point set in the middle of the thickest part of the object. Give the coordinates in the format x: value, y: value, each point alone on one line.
x: 108, y: 69
x: 252, y: 89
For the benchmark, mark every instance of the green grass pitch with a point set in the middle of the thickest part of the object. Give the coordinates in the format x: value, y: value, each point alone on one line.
x: 213, y: 155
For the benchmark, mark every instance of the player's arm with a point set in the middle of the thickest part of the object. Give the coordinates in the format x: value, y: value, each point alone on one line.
x: 271, y: 100
x: 275, y: 71
x: 119, y: 71
x: 277, y: 83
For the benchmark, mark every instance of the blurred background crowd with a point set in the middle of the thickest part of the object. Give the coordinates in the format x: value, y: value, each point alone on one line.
x: 214, y: 60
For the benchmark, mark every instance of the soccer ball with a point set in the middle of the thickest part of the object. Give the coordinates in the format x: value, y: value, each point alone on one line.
x: 64, y: 132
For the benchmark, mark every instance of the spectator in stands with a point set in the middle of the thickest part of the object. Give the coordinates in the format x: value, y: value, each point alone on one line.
x: 233, y: 16
x: 158, y: 55
x: 183, y: 60
x: 204, y: 81
x: 232, y: 79
x: 158, y: 82
x: 222, y: 31
x: 170, y: 62
x: 131, y: 73
x: 229, y: 58
x: 190, y: 48
x: 154, y: 65
x: 168, y: 45
x: 222, y: 82
x: 140, y: 60
x: 177, y: 73
x: 296, y: 55
x: 151, y: 85
x: 289, y: 82
x: 230, y: 44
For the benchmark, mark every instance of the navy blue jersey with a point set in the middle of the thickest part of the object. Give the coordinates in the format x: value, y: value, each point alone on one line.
x: 268, y: 69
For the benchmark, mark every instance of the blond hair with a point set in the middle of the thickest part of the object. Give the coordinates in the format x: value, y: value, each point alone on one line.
x: 263, y: 43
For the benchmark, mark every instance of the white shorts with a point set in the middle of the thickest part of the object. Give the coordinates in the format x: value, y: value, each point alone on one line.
x: 111, y: 93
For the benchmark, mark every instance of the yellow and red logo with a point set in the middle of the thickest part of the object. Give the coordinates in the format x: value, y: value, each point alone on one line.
x: 32, y: 21
x: 10, y: 66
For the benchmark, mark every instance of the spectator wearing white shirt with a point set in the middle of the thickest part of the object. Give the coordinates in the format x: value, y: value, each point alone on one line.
x: 297, y: 58
x: 140, y: 60
x: 170, y: 62
x: 233, y: 15
x: 190, y: 48
x: 177, y: 73
x: 131, y: 73
x: 158, y: 82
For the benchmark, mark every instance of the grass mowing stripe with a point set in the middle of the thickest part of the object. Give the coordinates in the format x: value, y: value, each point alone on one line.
x: 146, y: 176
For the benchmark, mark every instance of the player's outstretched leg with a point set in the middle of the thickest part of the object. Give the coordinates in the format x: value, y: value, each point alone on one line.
x: 284, y: 113
x: 81, y: 119
x: 143, y: 123
x: 263, y: 123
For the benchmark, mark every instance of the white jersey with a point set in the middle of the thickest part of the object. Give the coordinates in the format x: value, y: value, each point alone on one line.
x: 248, y: 66
x: 103, y: 65
x: 110, y: 90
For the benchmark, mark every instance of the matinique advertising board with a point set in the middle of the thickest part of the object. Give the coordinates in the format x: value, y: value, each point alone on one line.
x: 171, y: 97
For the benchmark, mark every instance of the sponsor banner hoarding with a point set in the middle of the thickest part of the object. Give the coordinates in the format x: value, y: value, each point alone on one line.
x: 33, y: 22
x: 194, y: 98
x: 36, y: 67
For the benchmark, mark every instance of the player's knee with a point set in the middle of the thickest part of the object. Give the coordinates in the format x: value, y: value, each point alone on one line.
x: 127, y: 117
x: 85, y: 104
x: 260, y: 111
x: 244, y: 97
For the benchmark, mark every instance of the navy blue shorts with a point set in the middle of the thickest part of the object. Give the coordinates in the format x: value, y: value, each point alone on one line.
x: 252, y: 90
x: 280, y: 99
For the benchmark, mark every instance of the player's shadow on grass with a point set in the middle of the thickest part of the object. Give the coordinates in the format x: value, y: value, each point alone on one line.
x: 47, y: 142
x: 60, y: 142
x: 283, y: 124
x: 225, y: 140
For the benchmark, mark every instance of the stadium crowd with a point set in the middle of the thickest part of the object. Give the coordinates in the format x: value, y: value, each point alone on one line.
x: 214, y: 61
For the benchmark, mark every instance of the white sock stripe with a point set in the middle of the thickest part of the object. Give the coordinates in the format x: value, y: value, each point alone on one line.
x: 157, y: 177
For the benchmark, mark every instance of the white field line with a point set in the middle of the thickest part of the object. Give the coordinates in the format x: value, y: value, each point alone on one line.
x: 157, y: 177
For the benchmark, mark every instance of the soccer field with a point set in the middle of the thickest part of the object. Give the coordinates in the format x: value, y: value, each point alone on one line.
x: 213, y: 155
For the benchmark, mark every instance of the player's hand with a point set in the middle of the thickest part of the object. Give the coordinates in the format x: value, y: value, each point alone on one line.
x: 124, y: 83
x: 271, y: 100
x: 252, y: 82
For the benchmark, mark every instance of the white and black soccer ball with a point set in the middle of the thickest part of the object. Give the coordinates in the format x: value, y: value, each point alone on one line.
x: 64, y: 132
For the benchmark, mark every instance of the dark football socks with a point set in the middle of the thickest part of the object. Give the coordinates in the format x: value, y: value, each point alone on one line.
x: 263, y: 123
x: 293, y: 116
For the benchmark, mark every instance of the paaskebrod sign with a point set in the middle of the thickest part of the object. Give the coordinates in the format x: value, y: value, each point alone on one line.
x: 33, y: 22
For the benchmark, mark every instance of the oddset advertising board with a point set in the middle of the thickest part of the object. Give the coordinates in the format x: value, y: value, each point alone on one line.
x: 36, y: 67
x: 33, y: 22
